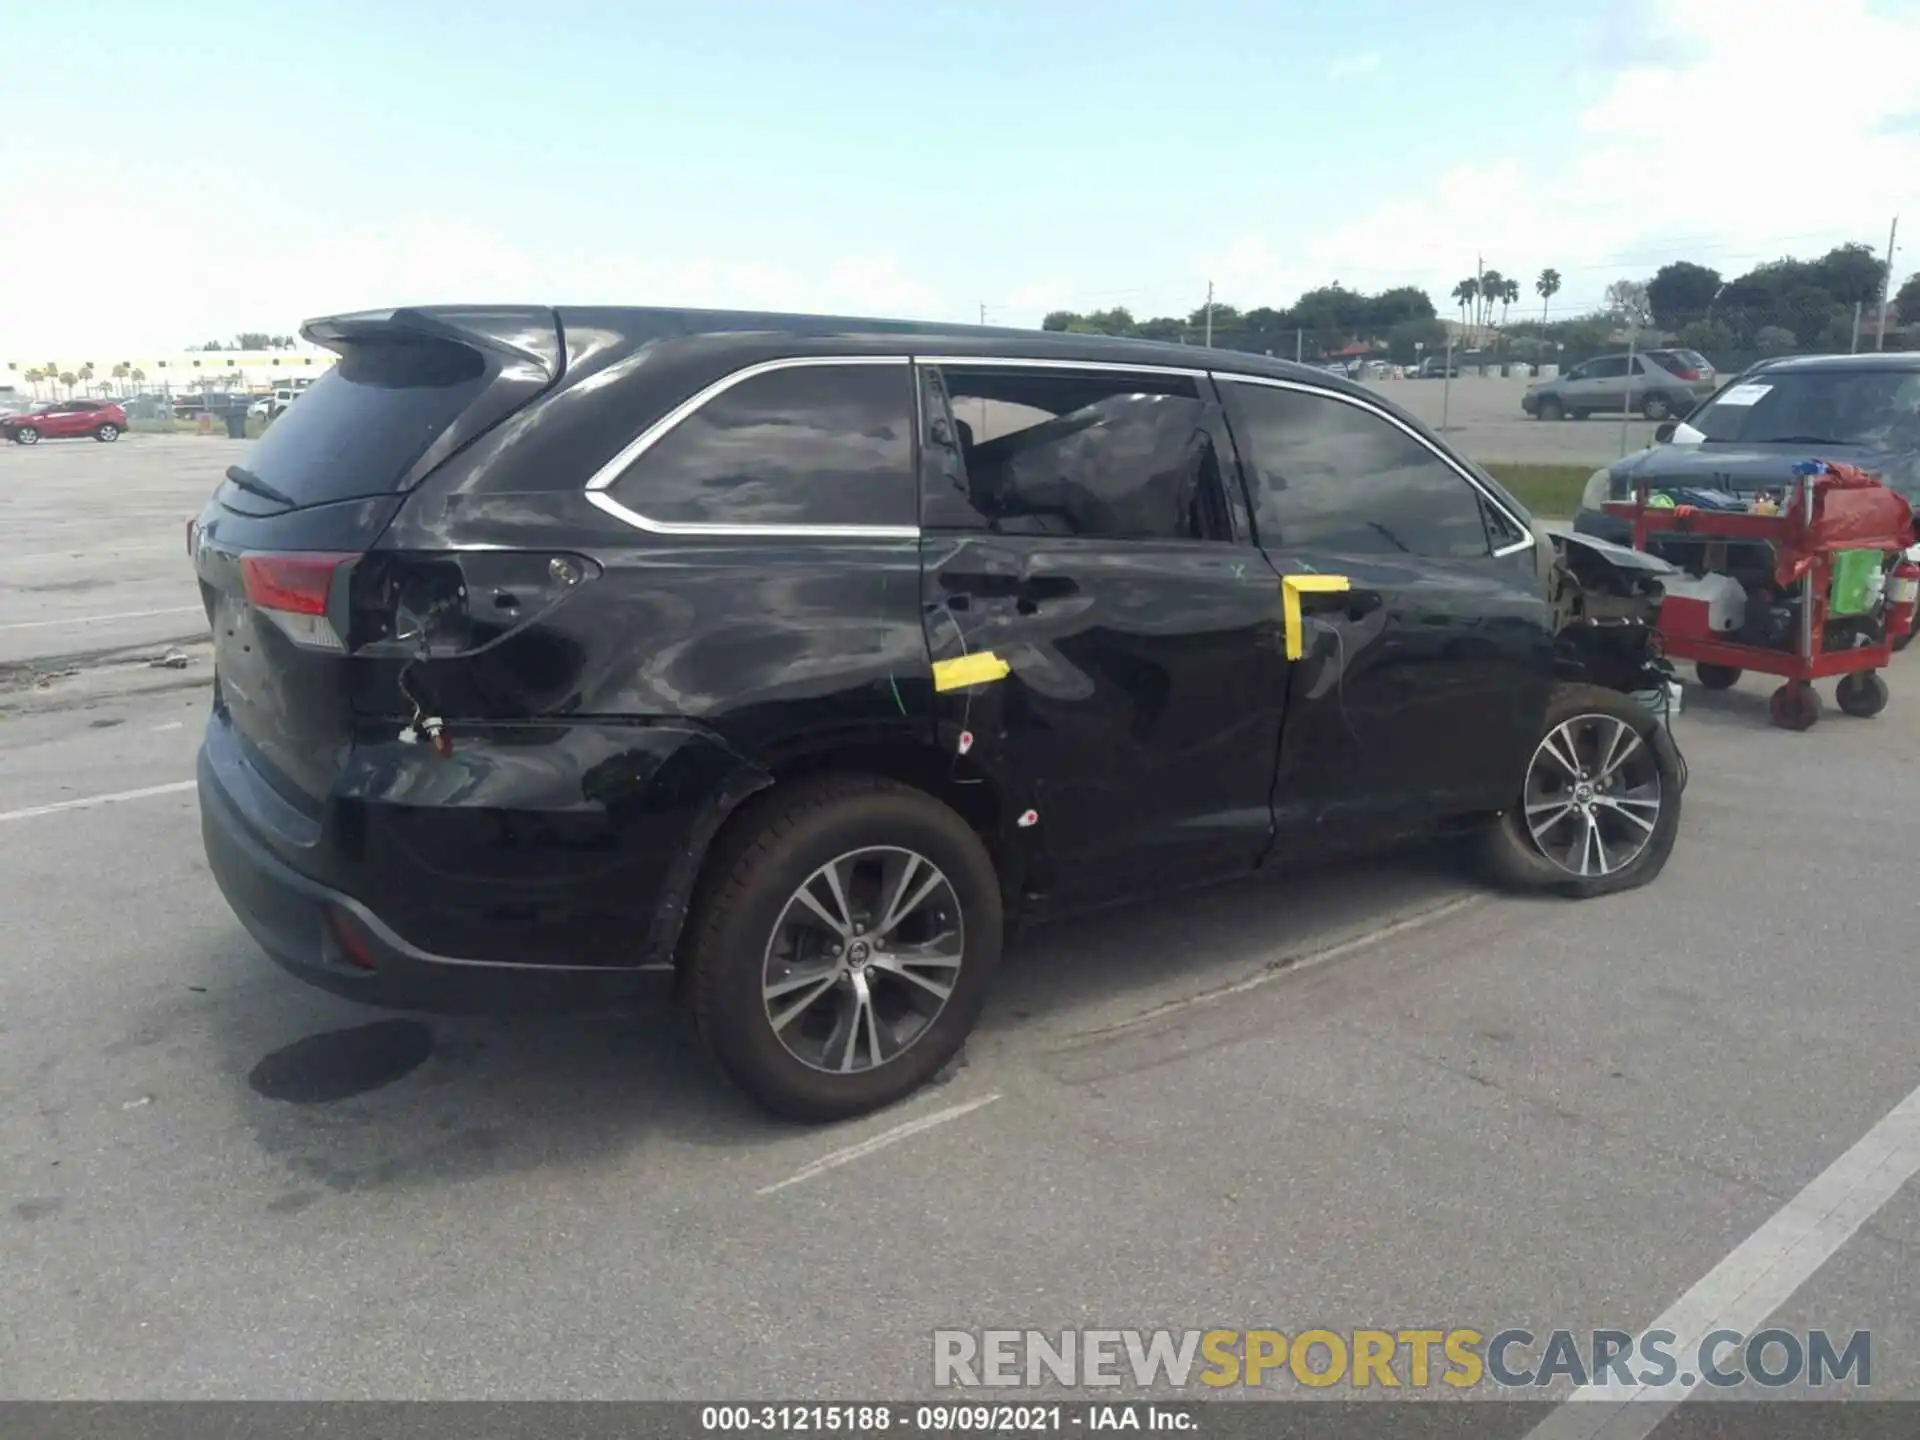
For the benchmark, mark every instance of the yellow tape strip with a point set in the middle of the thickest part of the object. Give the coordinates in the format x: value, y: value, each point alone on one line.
x: 1292, y: 587
x: 981, y: 668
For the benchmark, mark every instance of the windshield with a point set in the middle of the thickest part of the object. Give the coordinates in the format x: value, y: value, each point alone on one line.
x: 1874, y: 408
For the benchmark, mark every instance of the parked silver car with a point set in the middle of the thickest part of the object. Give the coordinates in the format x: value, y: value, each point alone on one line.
x: 1657, y: 383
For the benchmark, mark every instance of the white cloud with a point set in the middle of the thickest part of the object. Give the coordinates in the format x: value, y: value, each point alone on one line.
x: 1347, y: 67
x: 1761, y: 135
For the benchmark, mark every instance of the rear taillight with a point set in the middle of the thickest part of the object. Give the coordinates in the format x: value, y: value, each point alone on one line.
x: 293, y: 590
x: 1689, y: 374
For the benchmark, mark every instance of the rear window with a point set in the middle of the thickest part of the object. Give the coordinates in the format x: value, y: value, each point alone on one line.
x: 1680, y: 362
x: 359, y: 428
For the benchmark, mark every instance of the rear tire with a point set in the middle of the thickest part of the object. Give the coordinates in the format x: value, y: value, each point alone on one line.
x: 749, y: 944
x: 1716, y: 677
x: 1862, y: 694
x: 106, y: 434
x: 25, y: 435
x: 1632, y: 787
x: 1551, y: 409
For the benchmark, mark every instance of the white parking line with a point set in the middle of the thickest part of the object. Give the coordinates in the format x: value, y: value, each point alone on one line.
x: 1758, y: 1278
x: 90, y: 801
x: 170, y: 725
x: 837, y: 1158
x: 96, y: 619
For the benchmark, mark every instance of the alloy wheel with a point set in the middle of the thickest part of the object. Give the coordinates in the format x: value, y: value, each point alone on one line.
x: 1592, y: 795
x: 863, y: 959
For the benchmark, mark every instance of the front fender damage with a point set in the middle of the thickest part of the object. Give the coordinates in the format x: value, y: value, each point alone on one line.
x: 1605, y: 600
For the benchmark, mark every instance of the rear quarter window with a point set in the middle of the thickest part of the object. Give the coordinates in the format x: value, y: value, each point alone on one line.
x: 827, y: 444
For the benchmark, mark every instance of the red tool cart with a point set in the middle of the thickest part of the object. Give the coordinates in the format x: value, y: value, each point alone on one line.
x: 1816, y: 585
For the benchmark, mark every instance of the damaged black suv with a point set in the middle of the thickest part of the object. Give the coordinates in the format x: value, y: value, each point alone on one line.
x: 797, y: 658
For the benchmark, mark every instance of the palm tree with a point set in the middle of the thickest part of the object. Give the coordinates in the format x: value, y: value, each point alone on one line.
x: 137, y: 375
x: 69, y: 379
x: 34, y: 376
x: 121, y: 372
x: 86, y: 373
x: 1492, y: 283
x: 1509, y: 292
x: 1467, y: 292
x: 1546, y: 287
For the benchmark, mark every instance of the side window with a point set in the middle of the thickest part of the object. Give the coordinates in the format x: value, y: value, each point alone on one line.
x: 1326, y: 473
x: 802, y: 445
x: 1614, y: 367
x: 1045, y: 451
x: 1578, y: 372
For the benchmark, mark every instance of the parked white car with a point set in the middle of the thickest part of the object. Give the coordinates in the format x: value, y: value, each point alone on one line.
x: 268, y: 406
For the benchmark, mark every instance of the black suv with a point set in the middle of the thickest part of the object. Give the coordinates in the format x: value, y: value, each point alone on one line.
x: 798, y: 657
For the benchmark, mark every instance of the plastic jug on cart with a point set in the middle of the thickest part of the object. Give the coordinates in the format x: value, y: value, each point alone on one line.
x: 1702, y: 605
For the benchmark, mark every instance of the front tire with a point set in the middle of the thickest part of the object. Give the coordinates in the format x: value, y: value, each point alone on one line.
x: 1656, y: 407
x: 1599, y: 807
x: 1551, y: 409
x: 106, y: 434
x: 843, y: 947
x: 26, y: 435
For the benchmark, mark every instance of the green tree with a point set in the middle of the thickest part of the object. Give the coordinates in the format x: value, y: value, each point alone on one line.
x: 1775, y: 339
x: 1852, y: 274
x: 1162, y: 327
x: 1710, y: 337
x: 1907, y: 300
x: 137, y: 375
x: 1681, y: 292
x: 1381, y: 313
x: 253, y: 340
x: 121, y: 372
x: 69, y: 379
x: 1546, y: 287
x: 1405, y: 339
x: 34, y: 376
x: 1058, y: 320
x: 85, y: 374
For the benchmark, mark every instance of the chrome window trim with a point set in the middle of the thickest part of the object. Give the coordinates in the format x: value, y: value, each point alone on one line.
x: 607, y: 474
x: 1035, y: 362
x: 1529, y: 543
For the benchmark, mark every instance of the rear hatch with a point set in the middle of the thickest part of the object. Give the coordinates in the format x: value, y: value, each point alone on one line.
x: 281, y: 550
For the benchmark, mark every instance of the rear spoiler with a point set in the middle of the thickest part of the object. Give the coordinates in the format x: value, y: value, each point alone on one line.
x: 526, y: 335
x: 523, y: 347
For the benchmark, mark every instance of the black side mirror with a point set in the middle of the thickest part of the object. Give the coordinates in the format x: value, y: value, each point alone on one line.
x: 1666, y: 431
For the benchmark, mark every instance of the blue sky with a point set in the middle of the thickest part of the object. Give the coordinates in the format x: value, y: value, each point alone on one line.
x: 247, y: 166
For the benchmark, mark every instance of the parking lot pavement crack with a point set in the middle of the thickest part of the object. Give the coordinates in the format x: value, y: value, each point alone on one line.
x: 1568, y: 1115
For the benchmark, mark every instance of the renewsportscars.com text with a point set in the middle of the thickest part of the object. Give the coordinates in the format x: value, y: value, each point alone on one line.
x: 1412, y: 1359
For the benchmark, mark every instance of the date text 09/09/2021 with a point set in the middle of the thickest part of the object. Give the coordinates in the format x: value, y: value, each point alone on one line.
x: 909, y: 1419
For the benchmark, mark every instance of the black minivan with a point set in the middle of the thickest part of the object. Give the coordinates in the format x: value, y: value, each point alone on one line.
x: 797, y: 658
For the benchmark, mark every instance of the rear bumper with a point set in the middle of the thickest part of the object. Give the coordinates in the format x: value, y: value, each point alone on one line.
x: 334, y: 941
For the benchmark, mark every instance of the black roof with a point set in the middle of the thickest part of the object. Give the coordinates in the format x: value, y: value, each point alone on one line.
x: 1867, y: 360
x: 641, y: 323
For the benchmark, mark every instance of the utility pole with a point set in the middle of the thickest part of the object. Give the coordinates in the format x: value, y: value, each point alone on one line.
x: 1209, y: 314
x: 1854, y: 348
x: 1299, y: 343
x: 1446, y: 386
x: 1626, y: 405
x: 1886, y: 288
x: 983, y: 312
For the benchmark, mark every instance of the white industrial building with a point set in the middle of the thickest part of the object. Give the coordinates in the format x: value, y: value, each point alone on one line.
x: 173, y: 372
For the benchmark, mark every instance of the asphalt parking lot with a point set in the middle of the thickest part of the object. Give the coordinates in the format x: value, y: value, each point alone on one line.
x: 1369, y: 1096
x: 1482, y: 415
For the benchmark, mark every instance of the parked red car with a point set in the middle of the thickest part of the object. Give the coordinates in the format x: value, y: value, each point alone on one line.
x: 102, y: 419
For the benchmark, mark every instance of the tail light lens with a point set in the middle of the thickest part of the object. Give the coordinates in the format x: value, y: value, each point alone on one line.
x: 293, y: 591
x: 1689, y: 374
